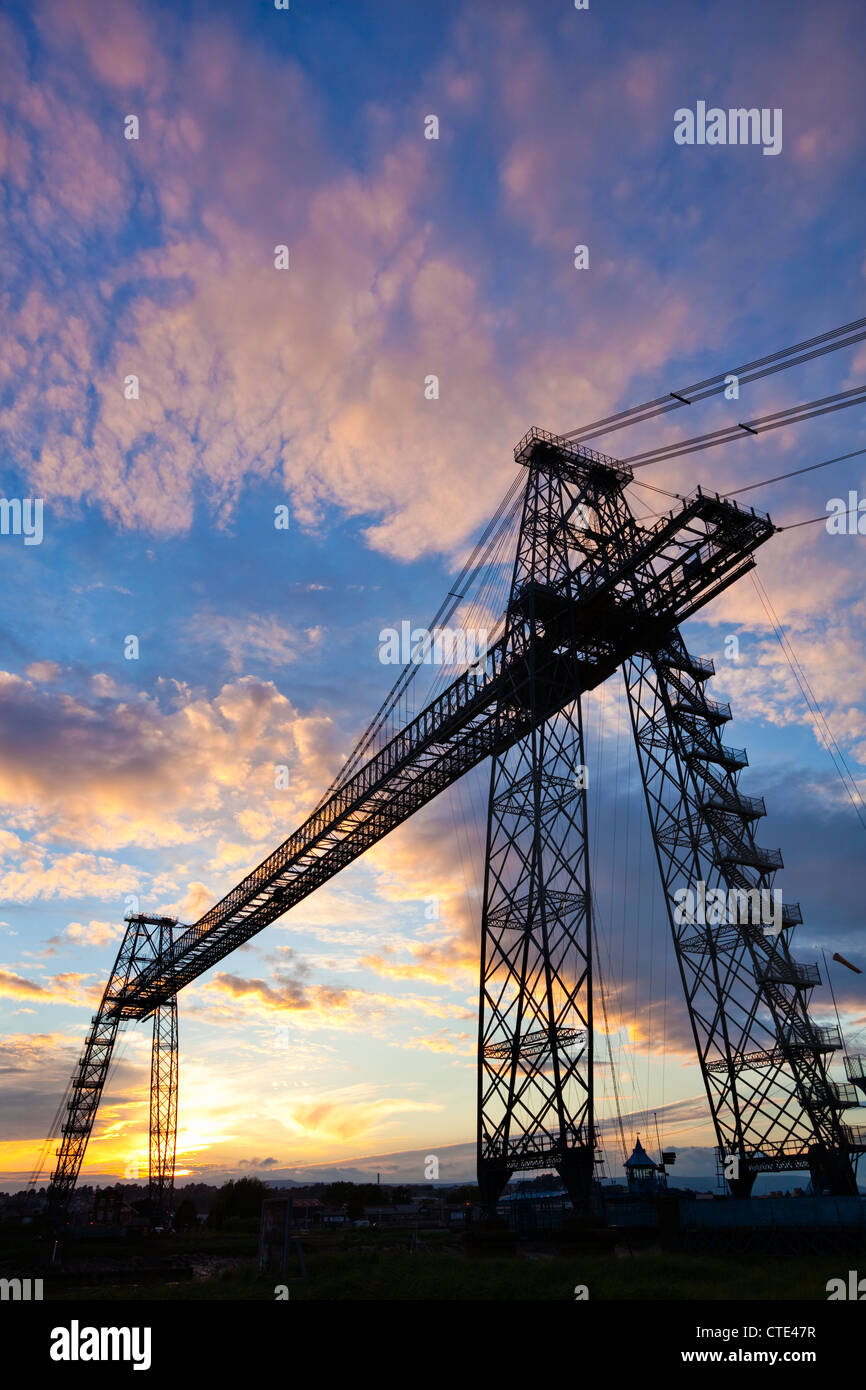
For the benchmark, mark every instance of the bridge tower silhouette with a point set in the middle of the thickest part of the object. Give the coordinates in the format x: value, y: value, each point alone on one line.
x: 593, y: 591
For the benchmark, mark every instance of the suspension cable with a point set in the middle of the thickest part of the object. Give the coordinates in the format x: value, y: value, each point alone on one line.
x: 846, y: 336
x: 825, y: 733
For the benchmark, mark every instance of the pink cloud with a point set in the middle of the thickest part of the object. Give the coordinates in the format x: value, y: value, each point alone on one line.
x: 138, y: 772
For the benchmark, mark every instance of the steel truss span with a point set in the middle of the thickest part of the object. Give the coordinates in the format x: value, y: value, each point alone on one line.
x: 592, y: 591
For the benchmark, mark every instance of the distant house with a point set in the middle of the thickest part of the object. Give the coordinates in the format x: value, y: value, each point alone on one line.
x: 109, y: 1209
x: 309, y: 1212
x: 306, y: 1210
x: 426, y: 1213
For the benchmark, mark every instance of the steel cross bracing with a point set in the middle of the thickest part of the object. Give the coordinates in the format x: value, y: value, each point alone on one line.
x: 593, y: 590
x: 535, y: 1105
x: 764, y: 1060
x: 535, y: 1015
x: 143, y: 940
x: 163, y: 1099
x: 742, y: 985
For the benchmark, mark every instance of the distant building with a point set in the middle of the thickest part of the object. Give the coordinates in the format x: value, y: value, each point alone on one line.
x: 428, y: 1214
x: 110, y: 1210
x: 307, y: 1212
x: 641, y: 1172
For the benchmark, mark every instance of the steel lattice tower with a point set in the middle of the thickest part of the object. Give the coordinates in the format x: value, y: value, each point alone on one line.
x: 593, y: 591
x: 763, y: 1058
x: 144, y: 941
x: 535, y: 1014
x: 163, y: 1098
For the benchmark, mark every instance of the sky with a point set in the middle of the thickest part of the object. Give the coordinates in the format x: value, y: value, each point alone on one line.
x: 345, y: 1032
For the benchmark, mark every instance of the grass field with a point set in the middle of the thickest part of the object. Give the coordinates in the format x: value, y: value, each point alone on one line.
x: 379, y: 1266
